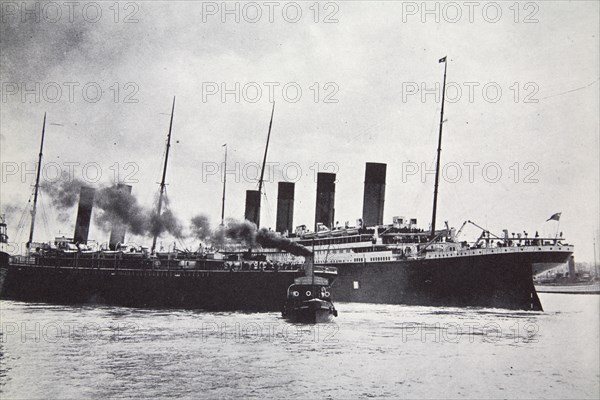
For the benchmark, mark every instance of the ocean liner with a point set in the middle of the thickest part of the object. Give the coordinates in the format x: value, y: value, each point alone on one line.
x: 371, y: 262
x: 400, y: 263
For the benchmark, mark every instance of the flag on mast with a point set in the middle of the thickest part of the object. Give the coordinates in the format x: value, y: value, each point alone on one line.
x: 554, y: 217
x: 443, y: 59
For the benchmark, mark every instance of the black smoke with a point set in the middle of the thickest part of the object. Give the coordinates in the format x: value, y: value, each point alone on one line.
x: 200, y: 227
x: 118, y: 206
x: 63, y: 194
x: 113, y: 206
x: 244, y: 232
x: 248, y: 233
x: 165, y: 222
x: 267, y: 238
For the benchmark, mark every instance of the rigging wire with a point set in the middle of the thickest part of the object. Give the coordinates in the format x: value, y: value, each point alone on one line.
x: 268, y: 207
x: 424, y: 188
x: 45, y: 217
x: 20, y: 231
x: 22, y: 221
x: 179, y: 239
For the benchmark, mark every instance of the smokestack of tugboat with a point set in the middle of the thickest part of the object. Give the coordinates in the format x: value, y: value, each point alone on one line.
x: 285, y: 207
x: 84, y: 215
x: 374, y: 195
x: 324, y: 213
x: 117, y: 234
x: 252, y: 212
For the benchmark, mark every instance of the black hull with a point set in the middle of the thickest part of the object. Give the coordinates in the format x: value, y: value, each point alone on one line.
x: 4, y: 259
x: 488, y: 280
x: 208, y: 290
x: 309, y: 314
x: 500, y: 280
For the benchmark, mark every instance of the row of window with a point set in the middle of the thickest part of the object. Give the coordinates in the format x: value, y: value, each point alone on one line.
x: 360, y: 259
x: 339, y: 240
x: 335, y: 251
x: 381, y: 259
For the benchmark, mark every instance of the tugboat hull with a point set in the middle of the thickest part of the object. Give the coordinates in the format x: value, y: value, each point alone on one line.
x: 311, y: 312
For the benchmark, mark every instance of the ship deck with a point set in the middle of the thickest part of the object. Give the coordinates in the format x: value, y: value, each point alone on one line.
x: 500, y: 250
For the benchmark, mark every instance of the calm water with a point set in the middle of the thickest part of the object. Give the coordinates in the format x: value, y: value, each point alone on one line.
x: 370, y: 351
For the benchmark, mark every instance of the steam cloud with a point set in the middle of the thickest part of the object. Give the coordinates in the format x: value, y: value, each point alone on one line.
x: 267, y: 238
x: 64, y: 194
x: 247, y: 232
x: 116, y: 206
x: 200, y: 225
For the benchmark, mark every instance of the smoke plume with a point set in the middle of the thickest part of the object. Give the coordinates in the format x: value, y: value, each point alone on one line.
x: 200, y: 226
x: 244, y: 232
x: 63, y: 193
x: 165, y: 222
x: 247, y: 233
x: 267, y: 238
x: 114, y: 206
x: 119, y: 206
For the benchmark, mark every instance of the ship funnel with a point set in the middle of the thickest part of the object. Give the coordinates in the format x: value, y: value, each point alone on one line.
x: 324, y: 212
x: 84, y: 214
x: 117, y: 234
x: 374, y: 195
x: 285, y: 207
x: 252, y: 212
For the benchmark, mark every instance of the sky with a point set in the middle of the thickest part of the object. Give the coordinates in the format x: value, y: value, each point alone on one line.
x: 353, y: 82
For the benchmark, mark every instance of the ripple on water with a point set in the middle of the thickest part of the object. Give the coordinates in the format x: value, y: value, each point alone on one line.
x: 369, y: 351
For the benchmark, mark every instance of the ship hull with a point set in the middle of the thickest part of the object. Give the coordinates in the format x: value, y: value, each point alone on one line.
x: 4, y: 260
x: 208, y: 290
x: 493, y: 279
x: 496, y: 280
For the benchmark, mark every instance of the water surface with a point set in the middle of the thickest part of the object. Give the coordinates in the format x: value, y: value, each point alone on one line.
x: 51, y: 351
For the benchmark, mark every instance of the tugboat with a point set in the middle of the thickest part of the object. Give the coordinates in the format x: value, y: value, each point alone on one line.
x: 309, y: 300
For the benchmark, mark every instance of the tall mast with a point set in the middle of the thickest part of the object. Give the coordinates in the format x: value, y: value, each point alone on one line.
x: 224, y: 183
x: 262, y: 171
x: 37, y: 185
x: 164, y: 174
x: 439, y: 152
